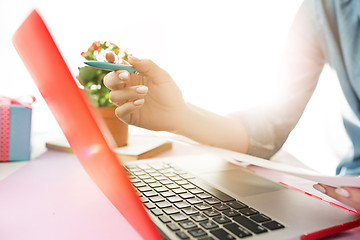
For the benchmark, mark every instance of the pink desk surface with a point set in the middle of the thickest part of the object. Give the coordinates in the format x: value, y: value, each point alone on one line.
x: 52, y: 197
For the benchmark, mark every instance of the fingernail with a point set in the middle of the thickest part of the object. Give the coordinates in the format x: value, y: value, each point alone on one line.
x: 142, y: 89
x: 342, y: 192
x: 123, y: 75
x: 132, y: 58
x: 320, y: 188
x: 139, y: 102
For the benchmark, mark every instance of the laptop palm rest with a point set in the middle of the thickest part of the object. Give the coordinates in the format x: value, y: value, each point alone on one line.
x: 241, y: 182
x: 228, y: 177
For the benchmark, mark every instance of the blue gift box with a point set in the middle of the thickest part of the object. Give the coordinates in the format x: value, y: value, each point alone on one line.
x: 15, y: 132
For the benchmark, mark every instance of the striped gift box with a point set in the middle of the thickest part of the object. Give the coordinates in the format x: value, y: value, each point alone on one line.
x: 15, y: 129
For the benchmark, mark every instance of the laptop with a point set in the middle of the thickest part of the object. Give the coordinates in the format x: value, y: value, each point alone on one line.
x: 164, y: 199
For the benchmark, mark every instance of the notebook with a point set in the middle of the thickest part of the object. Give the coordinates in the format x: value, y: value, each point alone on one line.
x: 162, y: 199
x: 138, y: 147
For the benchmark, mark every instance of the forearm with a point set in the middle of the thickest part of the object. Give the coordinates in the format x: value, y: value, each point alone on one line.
x: 215, y: 130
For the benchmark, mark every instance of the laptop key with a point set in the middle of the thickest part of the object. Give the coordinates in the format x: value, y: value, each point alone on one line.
x: 203, y: 195
x: 156, y: 212
x: 186, y: 195
x: 198, y: 232
x: 222, y: 234
x: 161, y: 189
x: 248, y: 211
x: 144, y: 176
x: 173, y: 226
x: 175, y: 178
x: 169, y: 174
x: 172, y: 186
x: 196, y: 191
x: 236, y: 204
x: 181, y: 182
x: 131, y: 167
x: 149, y: 180
x: 199, y: 217
x: 212, y: 201
x: 182, y: 204
x: 167, y: 194
x: 144, y: 189
x: 188, y: 186
x: 170, y: 210
x: 143, y: 166
x: 163, y: 204
x: 139, y: 184
x: 175, y: 199
x: 237, y: 230
x: 166, y: 182
x: 208, y: 225
x: 155, y: 185
x: 160, y: 178
x: 221, y: 219
x: 182, y: 235
x: 211, y: 213
x: 188, y: 224
x: 150, y: 205
x: 165, y: 219
x: 202, y: 206
x: 135, y: 180
x: 231, y: 213
x: 249, y: 224
x: 221, y: 207
x: 144, y: 199
x: 179, y: 190
x: 215, y: 192
x: 273, y: 225
x: 260, y: 218
x: 156, y: 199
x: 194, y: 201
x: 190, y: 210
x: 178, y: 217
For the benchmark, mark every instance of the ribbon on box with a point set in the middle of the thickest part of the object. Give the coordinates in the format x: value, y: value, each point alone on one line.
x: 5, y: 103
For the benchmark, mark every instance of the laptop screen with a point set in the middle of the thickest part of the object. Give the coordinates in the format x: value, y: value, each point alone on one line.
x: 78, y: 121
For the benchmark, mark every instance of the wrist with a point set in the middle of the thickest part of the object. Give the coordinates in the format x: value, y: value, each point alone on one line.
x: 182, y: 124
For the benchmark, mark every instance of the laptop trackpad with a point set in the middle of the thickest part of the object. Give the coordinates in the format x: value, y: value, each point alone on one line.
x: 241, y: 182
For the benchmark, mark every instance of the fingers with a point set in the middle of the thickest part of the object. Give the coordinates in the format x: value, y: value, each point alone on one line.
x: 125, y: 111
x: 116, y: 80
x: 128, y: 100
x: 348, y: 195
x: 127, y: 97
x: 128, y: 94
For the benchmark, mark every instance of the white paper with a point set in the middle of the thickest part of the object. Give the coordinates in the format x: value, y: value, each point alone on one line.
x: 336, y: 181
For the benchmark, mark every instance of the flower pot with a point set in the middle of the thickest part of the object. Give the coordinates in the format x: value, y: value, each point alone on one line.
x: 117, y: 128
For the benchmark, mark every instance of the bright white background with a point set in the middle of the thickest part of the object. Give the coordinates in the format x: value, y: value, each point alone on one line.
x: 224, y: 55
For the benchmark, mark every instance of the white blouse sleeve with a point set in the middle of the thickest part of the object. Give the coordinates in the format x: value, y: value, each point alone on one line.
x: 269, y: 125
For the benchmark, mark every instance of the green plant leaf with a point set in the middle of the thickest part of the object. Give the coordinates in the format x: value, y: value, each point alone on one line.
x: 87, y: 74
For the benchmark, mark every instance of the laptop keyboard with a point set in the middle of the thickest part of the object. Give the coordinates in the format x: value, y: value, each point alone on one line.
x: 193, y: 209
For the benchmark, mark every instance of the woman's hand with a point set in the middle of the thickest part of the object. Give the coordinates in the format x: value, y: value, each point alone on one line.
x: 347, y: 195
x: 153, y: 101
x: 149, y: 100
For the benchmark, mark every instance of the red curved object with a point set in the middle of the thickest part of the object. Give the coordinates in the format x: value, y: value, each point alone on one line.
x: 78, y: 121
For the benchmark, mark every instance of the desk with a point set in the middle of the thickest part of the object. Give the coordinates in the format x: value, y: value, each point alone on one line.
x: 72, y: 207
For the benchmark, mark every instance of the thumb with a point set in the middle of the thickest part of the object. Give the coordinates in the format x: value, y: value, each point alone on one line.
x: 145, y: 65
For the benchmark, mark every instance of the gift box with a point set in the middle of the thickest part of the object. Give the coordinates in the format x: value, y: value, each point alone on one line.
x: 15, y: 129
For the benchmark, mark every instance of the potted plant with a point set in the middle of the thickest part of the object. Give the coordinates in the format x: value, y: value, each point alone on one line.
x: 91, y: 80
